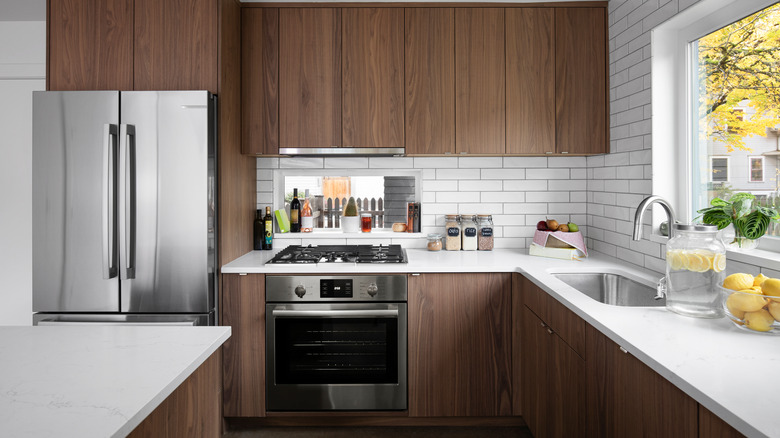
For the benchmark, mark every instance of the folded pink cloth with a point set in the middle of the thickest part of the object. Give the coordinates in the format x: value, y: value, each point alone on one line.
x: 574, y: 239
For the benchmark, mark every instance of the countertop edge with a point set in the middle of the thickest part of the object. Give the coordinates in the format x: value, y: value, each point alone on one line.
x: 144, y: 412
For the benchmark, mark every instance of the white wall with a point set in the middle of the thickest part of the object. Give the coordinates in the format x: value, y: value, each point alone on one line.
x: 22, y: 70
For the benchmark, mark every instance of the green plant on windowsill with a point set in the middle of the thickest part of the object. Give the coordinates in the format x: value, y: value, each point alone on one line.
x: 750, y: 221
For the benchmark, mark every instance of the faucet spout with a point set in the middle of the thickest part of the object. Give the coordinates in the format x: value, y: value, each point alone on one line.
x: 644, y: 206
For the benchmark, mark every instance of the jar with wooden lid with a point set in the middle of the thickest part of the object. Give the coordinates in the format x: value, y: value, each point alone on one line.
x: 452, y: 228
x: 484, y: 232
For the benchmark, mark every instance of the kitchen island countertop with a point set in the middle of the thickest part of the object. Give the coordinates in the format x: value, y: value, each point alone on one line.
x: 720, y: 366
x: 94, y: 381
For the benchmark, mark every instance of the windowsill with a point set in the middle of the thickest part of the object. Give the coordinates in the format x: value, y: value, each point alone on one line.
x: 763, y: 258
x: 338, y: 234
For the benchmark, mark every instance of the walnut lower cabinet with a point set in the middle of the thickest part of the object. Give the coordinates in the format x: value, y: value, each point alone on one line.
x: 460, y: 345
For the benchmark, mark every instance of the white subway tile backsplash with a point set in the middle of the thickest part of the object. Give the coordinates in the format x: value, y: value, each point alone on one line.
x: 568, y: 208
x: 547, y: 173
x: 502, y: 196
x: 265, y: 175
x: 479, y: 162
x: 503, y: 174
x: 301, y: 163
x: 480, y: 186
x: 346, y: 163
x: 391, y: 162
x: 267, y: 163
x: 457, y: 197
x: 501, y: 220
x: 567, y: 184
x: 436, y: 162
x: 524, y: 231
x: 578, y: 196
x: 440, y: 208
x: 525, y: 162
x: 579, y: 174
x: 566, y: 161
x: 440, y: 185
x: 480, y: 208
x: 458, y: 174
x: 547, y: 196
x: 525, y: 208
x: 524, y: 185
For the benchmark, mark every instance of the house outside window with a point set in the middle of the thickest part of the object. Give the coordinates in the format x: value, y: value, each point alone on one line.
x: 719, y: 169
x: 756, y: 169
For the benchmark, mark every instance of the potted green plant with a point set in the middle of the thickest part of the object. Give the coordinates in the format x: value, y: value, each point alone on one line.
x: 750, y: 221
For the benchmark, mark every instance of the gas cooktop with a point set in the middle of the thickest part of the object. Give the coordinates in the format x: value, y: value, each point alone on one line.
x: 341, y: 254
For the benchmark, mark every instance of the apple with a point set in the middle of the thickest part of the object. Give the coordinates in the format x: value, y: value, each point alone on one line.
x: 541, y: 226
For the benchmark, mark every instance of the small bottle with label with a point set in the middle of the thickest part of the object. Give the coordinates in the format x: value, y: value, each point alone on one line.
x: 452, y: 228
x: 468, y: 229
x: 258, y: 231
x: 307, y: 221
x: 485, y: 232
x: 295, y: 213
x: 268, y: 230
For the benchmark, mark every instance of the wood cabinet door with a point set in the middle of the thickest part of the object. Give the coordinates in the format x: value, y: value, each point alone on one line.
x: 176, y: 45
x: 459, y: 345
x: 627, y: 398
x: 372, y: 77
x: 430, y: 80
x: 530, y: 80
x: 712, y: 426
x: 480, y: 98
x: 260, y: 81
x: 581, y: 80
x: 309, y: 77
x: 243, y: 309
x: 90, y: 45
x: 535, y: 372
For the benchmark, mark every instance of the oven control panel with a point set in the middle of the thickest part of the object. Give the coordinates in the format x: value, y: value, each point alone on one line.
x: 302, y: 288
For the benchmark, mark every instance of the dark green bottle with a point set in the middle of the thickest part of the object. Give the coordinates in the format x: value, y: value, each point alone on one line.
x: 259, y: 231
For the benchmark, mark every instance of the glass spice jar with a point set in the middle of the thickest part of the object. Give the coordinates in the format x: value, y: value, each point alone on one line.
x: 485, y: 232
x: 434, y: 242
x: 452, y: 228
x: 468, y: 231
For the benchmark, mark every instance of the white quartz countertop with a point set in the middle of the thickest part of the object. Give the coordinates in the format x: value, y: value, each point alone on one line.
x: 728, y: 370
x: 101, y: 381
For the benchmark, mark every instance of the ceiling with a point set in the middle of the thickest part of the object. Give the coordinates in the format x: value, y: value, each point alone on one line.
x: 22, y: 10
x: 35, y: 10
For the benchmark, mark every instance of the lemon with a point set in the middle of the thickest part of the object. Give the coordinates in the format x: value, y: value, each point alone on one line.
x: 759, y: 279
x: 738, y: 281
x: 675, y: 260
x: 719, y: 262
x: 774, y: 309
x: 730, y: 303
x: 760, y: 321
x: 698, y: 263
x: 746, y: 301
x: 771, y: 286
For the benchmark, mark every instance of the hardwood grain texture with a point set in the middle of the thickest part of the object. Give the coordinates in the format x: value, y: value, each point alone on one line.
x: 627, y: 398
x: 192, y: 410
x: 517, y: 343
x: 176, y: 43
x: 459, y: 345
x: 584, y: 4
x: 260, y: 81
x: 712, y: 426
x: 89, y: 45
x: 429, y: 42
x: 530, y: 80
x: 535, y: 377
x: 564, y: 322
x: 310, y: 419
x: 372, y: 77
x: 581, y: 80
x: 309, y: 77
x: 480, y: 73
x: 243, y: 309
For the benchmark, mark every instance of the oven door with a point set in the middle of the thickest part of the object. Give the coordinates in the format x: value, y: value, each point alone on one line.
x: 336, y: 356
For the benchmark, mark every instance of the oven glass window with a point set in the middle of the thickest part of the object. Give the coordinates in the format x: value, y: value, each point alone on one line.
x: 336, y: 350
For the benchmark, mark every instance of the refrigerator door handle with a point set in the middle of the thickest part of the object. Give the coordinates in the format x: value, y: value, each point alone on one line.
x: 110, y: 134
x: 127, y: 200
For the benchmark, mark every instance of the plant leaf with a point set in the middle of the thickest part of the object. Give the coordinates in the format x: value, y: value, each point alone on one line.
x: 717, y: 202
x: 740, y: 196
x: 753, y: 225
x: 717, y: 217
x: 742, y: 208
x: 769, y: 212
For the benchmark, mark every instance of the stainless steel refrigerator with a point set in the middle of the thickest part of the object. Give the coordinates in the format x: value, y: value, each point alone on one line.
x: 124, y: 207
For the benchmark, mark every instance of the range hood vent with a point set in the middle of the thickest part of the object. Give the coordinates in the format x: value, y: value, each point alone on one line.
x: 341, y: 152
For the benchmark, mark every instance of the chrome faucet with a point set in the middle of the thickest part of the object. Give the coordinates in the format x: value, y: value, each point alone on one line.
x: 640, y: 212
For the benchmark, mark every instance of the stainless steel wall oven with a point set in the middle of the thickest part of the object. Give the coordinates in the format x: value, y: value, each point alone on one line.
x: 336, y: 342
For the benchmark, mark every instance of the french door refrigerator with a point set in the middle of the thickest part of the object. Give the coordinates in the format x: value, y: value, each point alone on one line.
x: 124, y: 207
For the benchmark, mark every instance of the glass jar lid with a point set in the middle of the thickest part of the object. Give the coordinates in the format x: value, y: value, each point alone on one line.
x: 434, y: 237
x: 702, y: 228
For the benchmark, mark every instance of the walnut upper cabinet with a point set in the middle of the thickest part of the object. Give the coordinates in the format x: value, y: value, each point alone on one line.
x: 90, y: 45
x: 580, y: 81
x: 260, y: 81
x: 429, y: 50
x: 309, y: 77
x: 480, y: 80
x: 133, y: 45
x: 530, y: 80
x: 372, y: 80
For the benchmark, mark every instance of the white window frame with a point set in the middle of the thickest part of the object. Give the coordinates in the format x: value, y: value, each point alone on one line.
x: 728, y: 168
x: 671, y: 95
x: 750, y: 168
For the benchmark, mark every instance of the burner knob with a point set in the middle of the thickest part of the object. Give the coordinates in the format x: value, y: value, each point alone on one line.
x: 300, y: 290
x: 372, y: 289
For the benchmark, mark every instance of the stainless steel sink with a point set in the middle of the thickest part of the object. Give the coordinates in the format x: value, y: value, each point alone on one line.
x: 613, y: 289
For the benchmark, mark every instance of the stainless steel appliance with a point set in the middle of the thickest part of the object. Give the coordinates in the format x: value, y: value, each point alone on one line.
x: 340, y: 254
x: 336, y: 342
x: 124, y: 207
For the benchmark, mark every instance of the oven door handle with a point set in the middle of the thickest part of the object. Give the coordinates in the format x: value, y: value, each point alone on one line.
x: 378, y: 313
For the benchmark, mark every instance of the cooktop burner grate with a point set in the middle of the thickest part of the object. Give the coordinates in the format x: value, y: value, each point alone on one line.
x: 340, y: 254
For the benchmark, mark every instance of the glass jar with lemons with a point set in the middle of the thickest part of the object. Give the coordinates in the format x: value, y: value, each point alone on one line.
x: 695, y: 262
